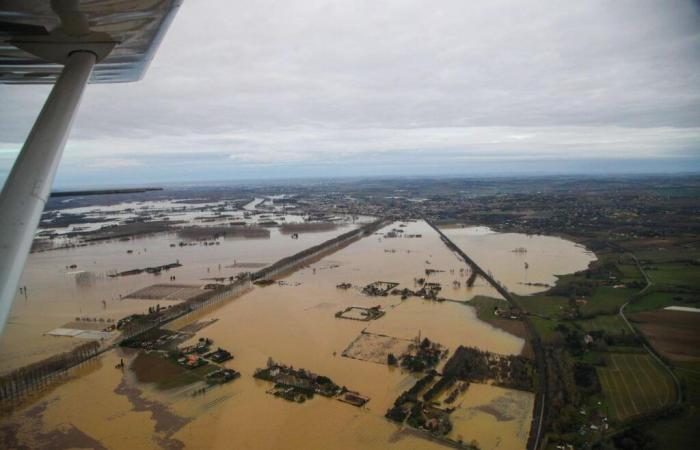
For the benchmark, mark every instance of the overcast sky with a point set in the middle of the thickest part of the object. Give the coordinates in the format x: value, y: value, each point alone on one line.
x: 285, y: 88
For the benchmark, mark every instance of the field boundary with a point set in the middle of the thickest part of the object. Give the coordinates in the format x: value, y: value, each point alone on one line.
x: 649, y: 348
x: 625, y: 387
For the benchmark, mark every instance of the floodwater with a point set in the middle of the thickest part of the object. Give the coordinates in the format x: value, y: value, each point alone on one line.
x: 491, y: 416
x: 294, y: 323
x: 57, y: 294
x: 506, y: 256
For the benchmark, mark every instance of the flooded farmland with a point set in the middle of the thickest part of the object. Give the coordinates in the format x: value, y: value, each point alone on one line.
x: 524, y: 263
x: 292, y: 322
x: 57, y: 293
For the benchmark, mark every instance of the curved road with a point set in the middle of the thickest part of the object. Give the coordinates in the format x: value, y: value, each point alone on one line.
x: 649, y: 284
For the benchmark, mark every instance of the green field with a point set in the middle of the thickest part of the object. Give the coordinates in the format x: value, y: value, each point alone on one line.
x: 607, y: 300
x: 610, y: 324
x: 545, y: 328
x: 485, y: 306
x: 635, y: 384
x: 675, y: 274
x: 683, y: 432
x: 657, y: 300
x: 544, y: 305
x: 666, y: 255
x: 629, y: 271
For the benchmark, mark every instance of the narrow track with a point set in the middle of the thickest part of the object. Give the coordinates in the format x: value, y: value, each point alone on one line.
x: 651, y: 351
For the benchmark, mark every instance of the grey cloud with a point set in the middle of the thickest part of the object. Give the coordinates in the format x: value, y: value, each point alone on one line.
x: 269, y: 81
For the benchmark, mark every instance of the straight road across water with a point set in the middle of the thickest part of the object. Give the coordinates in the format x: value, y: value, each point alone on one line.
x: 535, y: 440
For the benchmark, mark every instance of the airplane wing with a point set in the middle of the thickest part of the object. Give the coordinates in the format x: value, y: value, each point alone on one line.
x: 67, y: 43
x: 136, y: 27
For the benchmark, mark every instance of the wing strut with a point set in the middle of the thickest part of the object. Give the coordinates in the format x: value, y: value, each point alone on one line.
x: 28, y: 186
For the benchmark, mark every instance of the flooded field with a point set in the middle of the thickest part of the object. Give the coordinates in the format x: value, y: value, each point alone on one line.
x: 492, y: 416
x: 292, y: 322
x: 525, y: 264
x: 57, y: 293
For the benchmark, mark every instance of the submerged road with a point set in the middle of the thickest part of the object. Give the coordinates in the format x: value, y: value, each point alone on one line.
x: 535, y: 438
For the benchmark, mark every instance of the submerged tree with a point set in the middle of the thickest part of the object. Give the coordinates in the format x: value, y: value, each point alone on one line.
x: 391, y: 359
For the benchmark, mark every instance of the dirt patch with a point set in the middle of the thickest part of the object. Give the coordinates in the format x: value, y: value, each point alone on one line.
x: 675, y: 334
x: 167, y: 292
x: 375, y: 347
x: 152, y: 369
x: 85, y: 325
x: 166, y: 373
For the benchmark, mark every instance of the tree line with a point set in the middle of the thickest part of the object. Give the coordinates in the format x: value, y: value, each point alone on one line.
x: 21, y: 381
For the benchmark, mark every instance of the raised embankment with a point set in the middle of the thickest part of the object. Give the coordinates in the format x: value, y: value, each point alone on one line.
x: 290, y: 263
x: 538, y: 418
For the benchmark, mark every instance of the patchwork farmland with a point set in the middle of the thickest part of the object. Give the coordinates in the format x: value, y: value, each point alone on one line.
x: 610, y: 324
x: 635, y: 384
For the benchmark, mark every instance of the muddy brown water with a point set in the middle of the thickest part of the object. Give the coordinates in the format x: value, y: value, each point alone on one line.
x: 502, y: 254
x: 56, y: 296
x: 294, y: 323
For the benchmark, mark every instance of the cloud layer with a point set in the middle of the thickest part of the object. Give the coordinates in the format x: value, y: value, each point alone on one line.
x: 250, y: 85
